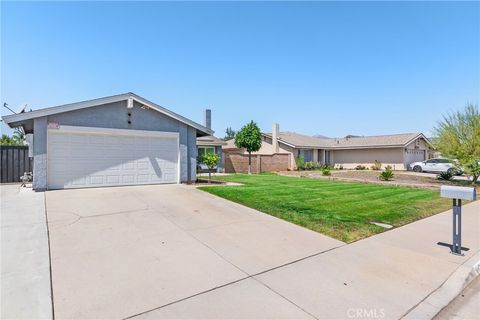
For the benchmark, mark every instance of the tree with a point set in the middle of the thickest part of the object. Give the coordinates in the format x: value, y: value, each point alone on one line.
x: 249, y: 138
x: 210, y: 160
x: 17, y: 139
x: 229, y: 134
x: 458, y: 137
x: 19, y: 136
x: 6, y: 140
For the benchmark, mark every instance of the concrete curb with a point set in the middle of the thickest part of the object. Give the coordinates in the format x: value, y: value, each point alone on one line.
x: 448, y: 291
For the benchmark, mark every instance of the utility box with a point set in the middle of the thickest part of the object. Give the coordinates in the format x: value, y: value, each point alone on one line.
x: 462, y: 193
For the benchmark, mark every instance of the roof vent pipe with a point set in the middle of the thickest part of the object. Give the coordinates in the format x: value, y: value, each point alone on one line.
x: 275, y: 132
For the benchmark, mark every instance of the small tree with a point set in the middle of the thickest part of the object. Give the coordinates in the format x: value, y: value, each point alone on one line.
x: 229, y: 134
x: 458, y: 137
x: 249, y: 138
x: 210, y: 160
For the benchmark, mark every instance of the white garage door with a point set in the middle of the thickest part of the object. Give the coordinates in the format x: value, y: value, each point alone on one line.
x: 80, y: 157
x: 414, y: 155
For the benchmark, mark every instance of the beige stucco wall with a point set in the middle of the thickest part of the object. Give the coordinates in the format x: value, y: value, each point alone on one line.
x: 422, y: 145
x: 349, y: 159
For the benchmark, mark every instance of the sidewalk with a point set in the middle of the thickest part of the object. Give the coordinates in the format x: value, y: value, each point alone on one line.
x: 25, y: 269
x: 384, y: 276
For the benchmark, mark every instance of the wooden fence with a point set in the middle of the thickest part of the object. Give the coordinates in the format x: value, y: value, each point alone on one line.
x: 14, y: 161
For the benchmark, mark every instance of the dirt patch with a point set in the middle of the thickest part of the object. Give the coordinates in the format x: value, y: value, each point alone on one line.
x: 370, y: 176
x: 213, y: 183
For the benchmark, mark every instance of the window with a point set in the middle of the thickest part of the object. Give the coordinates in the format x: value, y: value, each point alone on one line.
x: 307, y: 155
x: 328, y: 157
x: 203, y: 150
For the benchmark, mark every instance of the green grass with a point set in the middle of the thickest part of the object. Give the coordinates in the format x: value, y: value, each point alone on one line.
x: 341, y: 210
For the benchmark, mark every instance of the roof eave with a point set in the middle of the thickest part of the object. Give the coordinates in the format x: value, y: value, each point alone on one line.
x: 17, y: 119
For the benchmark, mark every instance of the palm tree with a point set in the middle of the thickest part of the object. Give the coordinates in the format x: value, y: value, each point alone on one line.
x: 19, y: 137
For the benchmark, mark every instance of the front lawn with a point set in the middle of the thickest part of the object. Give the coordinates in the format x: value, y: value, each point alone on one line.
x: 342, y: 210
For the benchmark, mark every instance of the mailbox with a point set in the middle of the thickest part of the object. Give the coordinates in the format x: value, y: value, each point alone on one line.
x: 463, y: 193
x: 457, y: 194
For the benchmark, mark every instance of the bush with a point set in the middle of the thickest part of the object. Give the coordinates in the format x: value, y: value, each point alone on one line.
x: 300, y: 162
x: 389, y: 167
x: 360, y: 167
x: 310, y: 165
x: 326, y: 171
x: 376, y: 165
x: 445, y: 176
x: 386, y: 175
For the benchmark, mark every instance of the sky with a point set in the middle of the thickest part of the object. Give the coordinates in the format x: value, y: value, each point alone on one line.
x: 330, y: 68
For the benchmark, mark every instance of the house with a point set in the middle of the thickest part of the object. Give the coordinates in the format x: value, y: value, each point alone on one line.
x: 117, y: 140
x: 397, y: 150
x: 209, y: 144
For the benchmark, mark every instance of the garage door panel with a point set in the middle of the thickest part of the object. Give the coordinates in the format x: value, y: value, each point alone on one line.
x: 95, y: 159
x: 97, y: 180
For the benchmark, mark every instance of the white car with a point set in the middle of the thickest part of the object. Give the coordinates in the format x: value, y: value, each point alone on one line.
x: 435, y: 165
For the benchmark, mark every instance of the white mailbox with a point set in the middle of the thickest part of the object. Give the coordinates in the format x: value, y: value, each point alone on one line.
x: 453, y: 192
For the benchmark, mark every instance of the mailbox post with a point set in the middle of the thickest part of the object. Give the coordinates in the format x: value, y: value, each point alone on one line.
x: 457, y: 194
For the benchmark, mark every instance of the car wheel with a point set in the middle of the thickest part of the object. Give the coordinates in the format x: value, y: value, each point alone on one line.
x: 417, y: 169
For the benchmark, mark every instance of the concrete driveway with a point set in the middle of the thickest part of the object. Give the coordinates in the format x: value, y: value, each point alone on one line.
x: 120, y: 252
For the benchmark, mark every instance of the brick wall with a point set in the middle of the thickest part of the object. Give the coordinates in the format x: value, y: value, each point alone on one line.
x: 237, y: 162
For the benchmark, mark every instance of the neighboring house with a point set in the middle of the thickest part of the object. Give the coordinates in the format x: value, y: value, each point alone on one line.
x: 396, y: 150
x: 118, y: 140
x: 209, y: 144
x: 270, y: 157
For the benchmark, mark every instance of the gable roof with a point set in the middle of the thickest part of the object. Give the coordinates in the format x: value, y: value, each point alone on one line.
x: 392, y: 140
x: 297, y: 140
x: 16, y: 119
x: 210, y: 141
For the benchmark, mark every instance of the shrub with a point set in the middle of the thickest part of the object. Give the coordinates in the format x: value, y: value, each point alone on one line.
x: 360, y: 167
x: 389, y: 167
x: 300, y: 162
x: 386, y: 175
x: 310, y: 165
x: 376, y: 165
x: 326, y: 171
x: 445, y: 176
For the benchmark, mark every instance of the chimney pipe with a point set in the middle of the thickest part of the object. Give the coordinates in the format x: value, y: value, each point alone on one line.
x: 275, y: 132
x: 208, y: 118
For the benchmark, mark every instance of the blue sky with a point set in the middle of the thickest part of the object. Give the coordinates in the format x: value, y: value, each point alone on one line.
x: 332, y: 68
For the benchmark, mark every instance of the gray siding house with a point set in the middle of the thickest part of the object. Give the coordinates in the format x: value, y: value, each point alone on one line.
x: 118, y: 140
